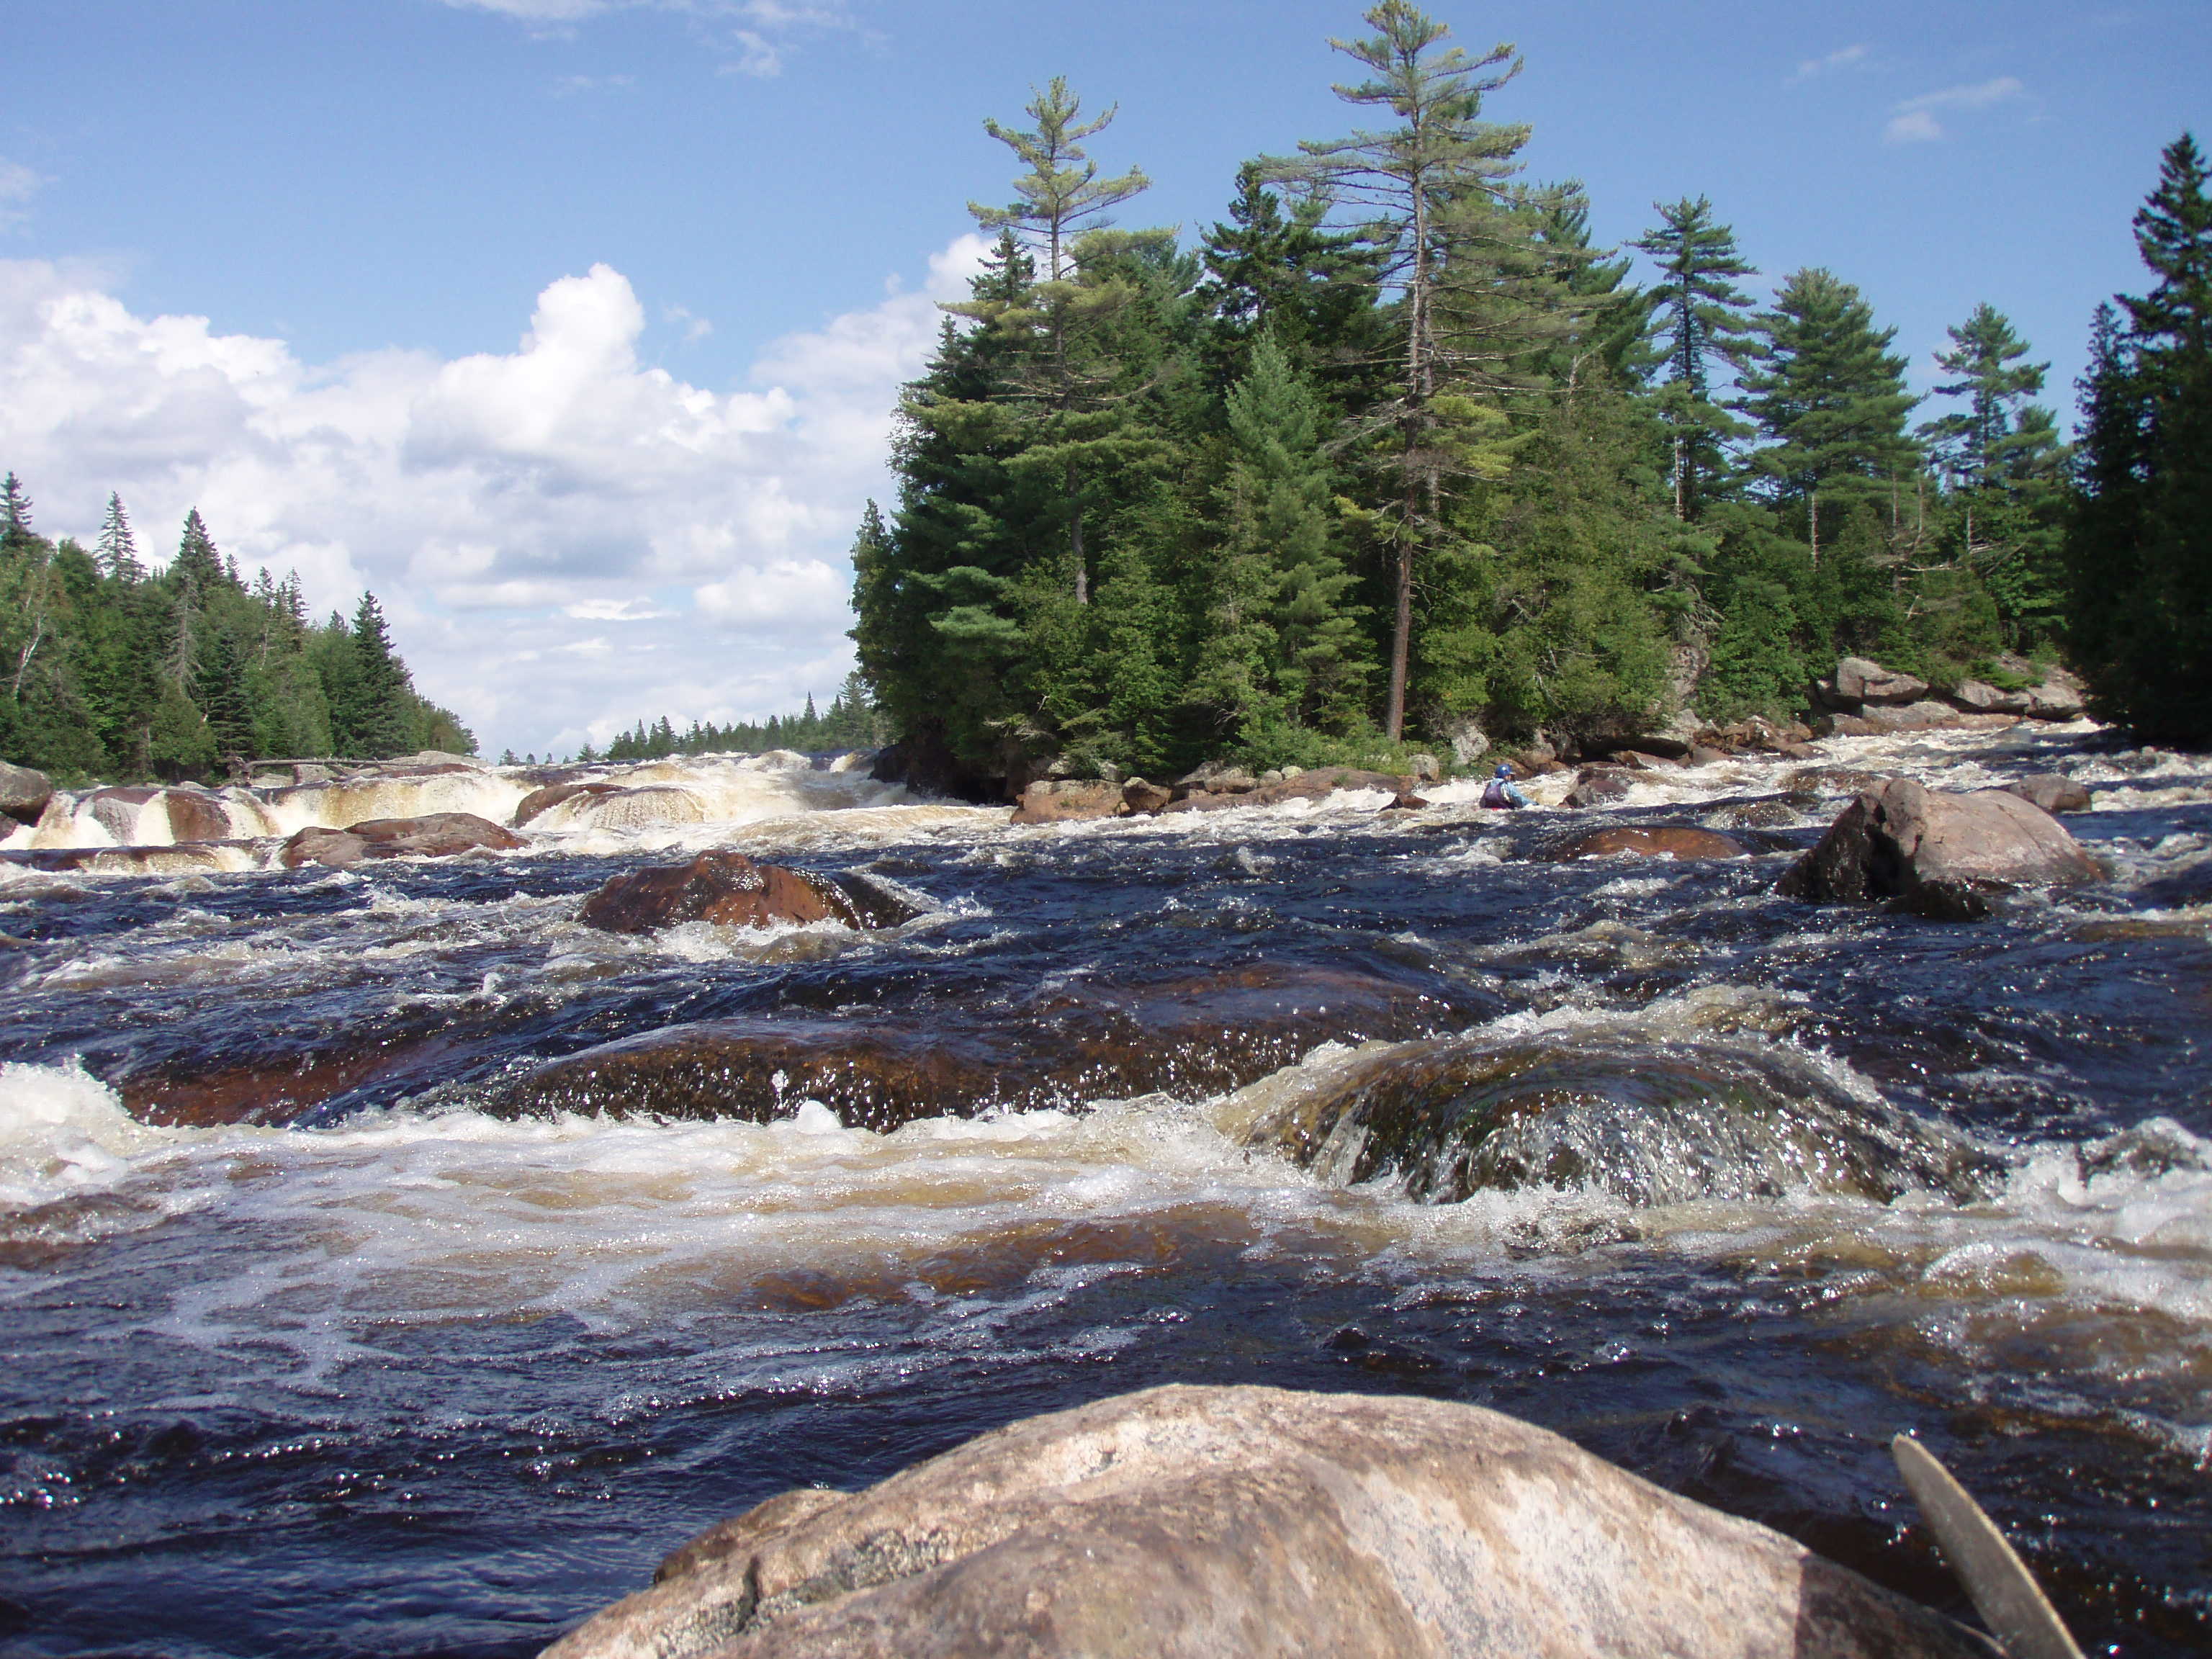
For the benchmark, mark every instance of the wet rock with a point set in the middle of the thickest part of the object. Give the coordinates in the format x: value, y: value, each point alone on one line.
x: 1138, y: 796
x: 546, y: 797
x: 1829, y: 781
x: 24, y: 792
x: 1649, y: 1123
x: 1677, y: 840
x: 730, y: 890
x: 1937, y: 851
x: 1705, y: 755
x: 1048, y: 802
x: 1880, y: 721
x: 1229, y: 1522
x: 433, y: 835
x: 271, y: 1088
x: 1404, y: 803
x: 1192, y: 1035
x: 1596, y: 785
x: 2054, y: 791
x: 116, y: 810
x: 195, y: 815
x: 1859, y: 680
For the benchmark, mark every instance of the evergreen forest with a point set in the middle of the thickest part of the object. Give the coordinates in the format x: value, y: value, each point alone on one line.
x: 1394, y: 456
x: 115, y: 672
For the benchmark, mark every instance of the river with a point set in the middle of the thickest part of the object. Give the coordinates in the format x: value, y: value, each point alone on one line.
x: 389, y: 1263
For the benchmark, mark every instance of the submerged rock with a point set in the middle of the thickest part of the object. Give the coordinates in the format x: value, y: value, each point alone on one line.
x: 1224, y: 1522
x: 730, y: 890
x: 23, y: 792
x: 1647, y: 1123
x: 1674, y: 841
x: 1940, y: 853
x: 433, y: 835
x: 1061, y: 1047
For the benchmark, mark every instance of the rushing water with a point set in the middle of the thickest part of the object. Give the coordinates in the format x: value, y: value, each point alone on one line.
x: 388, y: 1263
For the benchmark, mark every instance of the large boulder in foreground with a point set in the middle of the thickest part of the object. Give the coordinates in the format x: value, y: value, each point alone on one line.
x: 1671, y: 840
x: 730, y: 890
x: 433, y: 835
x: 1938, y: 853
x: 23, y: 792
x: 1222, y: 1522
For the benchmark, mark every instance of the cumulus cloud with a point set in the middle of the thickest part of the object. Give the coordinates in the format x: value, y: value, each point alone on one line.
x: 1915, y: 121
x: 507, y: 506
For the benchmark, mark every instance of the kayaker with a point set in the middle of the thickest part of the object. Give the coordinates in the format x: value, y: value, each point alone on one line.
x: 1499, y: 792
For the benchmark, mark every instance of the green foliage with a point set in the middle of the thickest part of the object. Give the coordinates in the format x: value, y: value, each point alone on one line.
x: 112, y: 673
x: 2139, y: 546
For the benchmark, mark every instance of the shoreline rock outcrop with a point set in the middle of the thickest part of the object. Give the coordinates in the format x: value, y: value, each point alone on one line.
x: 1225, y: 1522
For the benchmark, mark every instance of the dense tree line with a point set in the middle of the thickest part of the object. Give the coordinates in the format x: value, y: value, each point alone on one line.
x: 115, y: 672
x: 851, y: 721
x: 1395, y: 455
x: 2140, y: 551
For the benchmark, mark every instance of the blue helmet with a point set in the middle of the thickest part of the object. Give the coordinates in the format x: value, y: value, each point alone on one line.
x: 1504, y: 769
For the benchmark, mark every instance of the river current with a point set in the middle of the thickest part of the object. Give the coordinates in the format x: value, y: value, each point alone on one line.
x: 389, y: 1263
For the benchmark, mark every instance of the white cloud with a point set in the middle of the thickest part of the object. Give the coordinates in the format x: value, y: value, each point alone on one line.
x: 755, y: 33
x: 507, y: 507
x: 18, y: 183
x: 1849, y: 56
x: 1915, y: 121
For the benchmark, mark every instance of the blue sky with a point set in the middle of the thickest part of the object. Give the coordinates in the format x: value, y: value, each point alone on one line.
x: 572, y: 326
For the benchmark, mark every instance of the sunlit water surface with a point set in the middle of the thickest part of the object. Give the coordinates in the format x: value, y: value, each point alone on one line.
x: 449, y: 1348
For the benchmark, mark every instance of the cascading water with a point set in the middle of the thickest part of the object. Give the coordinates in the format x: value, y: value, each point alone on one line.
x: 389, y: 1260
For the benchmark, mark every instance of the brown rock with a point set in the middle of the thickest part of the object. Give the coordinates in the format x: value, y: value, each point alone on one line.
x: 1679, y: 841
x: 1597, y: 785
x: 1705, y: 755
x: 1048, y: 801
x: 549, y: 796
x: 195, y: 815
x: 1406, y: 804
x: 24, y: 792
x: 1191, y: 1036
x: 1938, y: 853
x: 1861, y: 681
x: 1138, y: 796
x: 1829, y: 781
x: 731, y: 890
x: 1637, y: 760
x: 433, y: 835
x: 1225, y: 1522
x: 2054, y: 791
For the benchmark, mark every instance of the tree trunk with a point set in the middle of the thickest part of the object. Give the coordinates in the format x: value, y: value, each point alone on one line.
x: 1812, y: 501
x: 1401, y: 630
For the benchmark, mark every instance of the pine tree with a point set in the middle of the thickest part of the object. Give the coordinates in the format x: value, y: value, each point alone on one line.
x: 375, y: 719
x: 1704, y: 322
x: 1309, y: 288
x: 118, y: 547
x: 1432, y: 195
x: 197, y: 573
x: 14, y: 514
x: 2003, y: 458
x: 1283, y: 645
x: 1830, y: 397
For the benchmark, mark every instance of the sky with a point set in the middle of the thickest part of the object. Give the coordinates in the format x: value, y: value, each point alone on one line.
x: 572, y: 329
